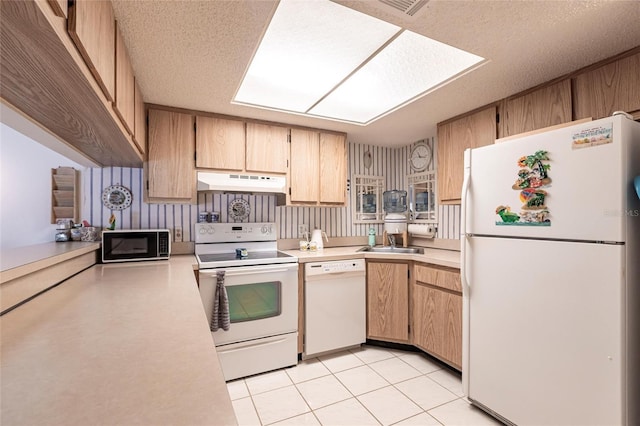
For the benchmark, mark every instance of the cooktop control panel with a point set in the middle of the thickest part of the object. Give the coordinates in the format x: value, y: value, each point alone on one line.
x: 231, y: 232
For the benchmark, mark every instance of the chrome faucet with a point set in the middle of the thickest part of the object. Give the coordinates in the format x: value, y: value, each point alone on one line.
x: 392, y: 240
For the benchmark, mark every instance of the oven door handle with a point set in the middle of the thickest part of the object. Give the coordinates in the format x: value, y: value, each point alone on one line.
x: 239, y: 274
x: 253, y: 270
x: 254, y: 343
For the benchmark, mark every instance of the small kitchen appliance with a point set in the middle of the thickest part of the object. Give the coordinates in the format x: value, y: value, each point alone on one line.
x: 316, y: 238
x: 550, y: 273
x: 262, y: 287
x: 130, y: 245
x: 395, y: 219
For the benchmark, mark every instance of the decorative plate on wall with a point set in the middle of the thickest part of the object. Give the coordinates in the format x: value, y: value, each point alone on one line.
x: 116, y: 197
x: 239, y: 209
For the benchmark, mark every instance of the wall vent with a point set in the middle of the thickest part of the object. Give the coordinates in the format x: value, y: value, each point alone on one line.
x: 408, y: 7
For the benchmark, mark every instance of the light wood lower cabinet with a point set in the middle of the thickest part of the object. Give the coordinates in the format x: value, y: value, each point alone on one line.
x: 388, y: 301
x: 170, y: 167
x: 437, y: 313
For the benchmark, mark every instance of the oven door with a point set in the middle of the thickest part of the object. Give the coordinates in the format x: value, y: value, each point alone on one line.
x: 263, y: 301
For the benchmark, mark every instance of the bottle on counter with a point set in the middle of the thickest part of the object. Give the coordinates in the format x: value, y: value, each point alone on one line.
x: 372, y: 237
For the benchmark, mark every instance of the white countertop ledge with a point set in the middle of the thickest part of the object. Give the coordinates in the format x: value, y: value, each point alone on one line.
x: 20, y: 261
x: 448, y: 258
x: 116, y: 344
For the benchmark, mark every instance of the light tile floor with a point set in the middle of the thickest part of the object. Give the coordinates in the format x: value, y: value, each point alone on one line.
x: 366, y: 386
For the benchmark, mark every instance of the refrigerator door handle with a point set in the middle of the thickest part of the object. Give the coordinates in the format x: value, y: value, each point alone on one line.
x: 464, y: 241
x: 466, y: 184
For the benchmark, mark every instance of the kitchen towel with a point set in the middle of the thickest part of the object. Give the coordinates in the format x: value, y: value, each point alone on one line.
x: 220, y: 314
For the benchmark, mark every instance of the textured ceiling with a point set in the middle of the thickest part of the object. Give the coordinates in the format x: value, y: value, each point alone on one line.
x: 192, y: 54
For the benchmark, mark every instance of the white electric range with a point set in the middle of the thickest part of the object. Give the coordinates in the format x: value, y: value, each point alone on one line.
x: 262, y: 288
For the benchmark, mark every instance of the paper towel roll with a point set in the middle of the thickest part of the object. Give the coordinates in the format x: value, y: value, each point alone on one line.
x: 426, y: 231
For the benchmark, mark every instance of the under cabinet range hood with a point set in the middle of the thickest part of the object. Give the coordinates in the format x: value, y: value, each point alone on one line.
x: 240, y: 182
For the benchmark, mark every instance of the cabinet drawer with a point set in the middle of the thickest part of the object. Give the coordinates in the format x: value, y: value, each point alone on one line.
x: 439, y: 276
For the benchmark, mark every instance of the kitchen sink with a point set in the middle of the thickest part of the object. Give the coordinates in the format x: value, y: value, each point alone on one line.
x: 397, y: 250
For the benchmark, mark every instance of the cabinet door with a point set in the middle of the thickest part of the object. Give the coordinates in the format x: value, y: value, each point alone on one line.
x: 304, y: 170
x: 92, y: 27
x: 267, y: 148
x: 544, y: 107
x: 388, y: 301
x: 171, y: 173
x: 59, y: 7
x: 437, y: 323
x: 612, y: 87
x: 472, y: 131
x: 124, y: 104
x: 220, y: 143
x: 333, y: 168
x: 140, y: 120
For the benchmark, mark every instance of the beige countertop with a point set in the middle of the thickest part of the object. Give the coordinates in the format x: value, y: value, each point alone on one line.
x: 450, y: 258
x: 115, y: 344
x: 20, y: 261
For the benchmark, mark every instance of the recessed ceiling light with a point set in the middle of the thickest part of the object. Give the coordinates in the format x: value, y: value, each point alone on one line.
x: 322, y: 59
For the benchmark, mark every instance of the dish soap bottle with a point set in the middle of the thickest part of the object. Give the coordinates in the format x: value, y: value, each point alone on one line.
x: 372, y: 237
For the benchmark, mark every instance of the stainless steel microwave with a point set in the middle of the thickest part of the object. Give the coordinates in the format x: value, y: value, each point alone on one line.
x: 129, y: 245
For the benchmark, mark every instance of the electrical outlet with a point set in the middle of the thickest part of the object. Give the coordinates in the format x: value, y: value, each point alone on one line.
x: 303, y: 230
x: 177, y: 234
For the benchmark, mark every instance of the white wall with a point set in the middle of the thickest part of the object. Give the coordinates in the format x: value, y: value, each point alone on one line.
x: 25, y: 189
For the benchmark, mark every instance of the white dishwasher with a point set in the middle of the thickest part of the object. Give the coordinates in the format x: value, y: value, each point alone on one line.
x: 335, y: 305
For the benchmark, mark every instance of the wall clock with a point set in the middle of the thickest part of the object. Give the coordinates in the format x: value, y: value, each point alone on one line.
x: 420, y: 157
x: 239, y: 209
x: 116, y: 197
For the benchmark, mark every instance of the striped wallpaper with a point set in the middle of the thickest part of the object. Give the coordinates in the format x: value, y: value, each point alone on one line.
x: 392, y: 163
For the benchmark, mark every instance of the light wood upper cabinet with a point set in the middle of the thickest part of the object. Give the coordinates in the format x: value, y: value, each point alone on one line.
x: 92, y: 27
x: 305, y: 166
x: 544, y: 107
x: 318, y: 171
x: 140, y: 120
x: 612, y: 87
x: 124, y: 103
x: 388, y: 301
x: 267, y: 148
x: 170, y: 169
x: 437, y: 313
x: 220, y: 143
x: 333, y: 168
x: 471, y: 131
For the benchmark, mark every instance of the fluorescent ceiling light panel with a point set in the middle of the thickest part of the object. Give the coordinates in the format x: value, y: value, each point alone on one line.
x: 322, y: 59
x: 309, y: 47
x: 410, y: 66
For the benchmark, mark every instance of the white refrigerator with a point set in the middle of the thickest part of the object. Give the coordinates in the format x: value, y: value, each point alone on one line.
x: 550, y: 264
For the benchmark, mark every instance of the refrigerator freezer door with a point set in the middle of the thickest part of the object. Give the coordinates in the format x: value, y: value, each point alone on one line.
x: 585, y: 185
x: 546, y: 325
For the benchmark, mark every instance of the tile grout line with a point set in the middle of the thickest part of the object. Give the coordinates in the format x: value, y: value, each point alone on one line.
x: 352, y: 395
